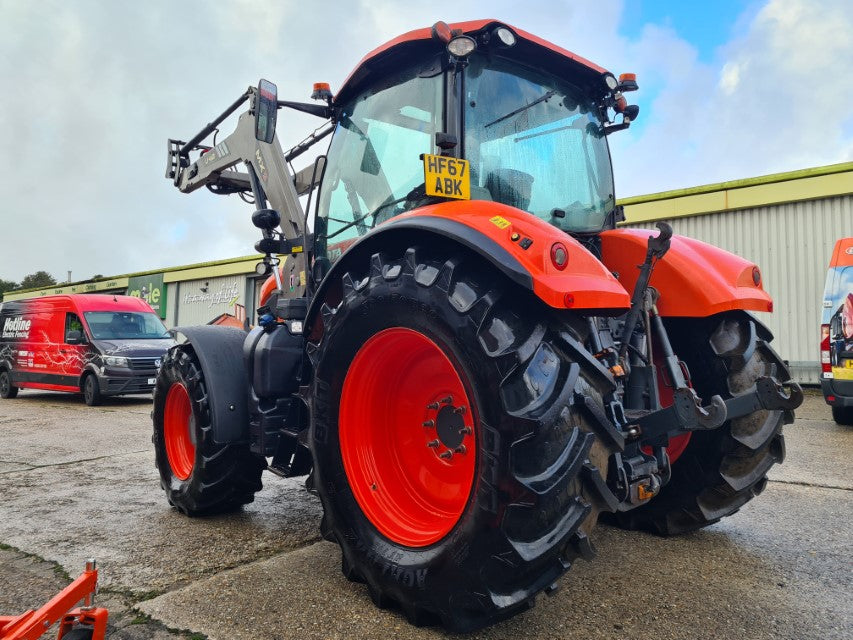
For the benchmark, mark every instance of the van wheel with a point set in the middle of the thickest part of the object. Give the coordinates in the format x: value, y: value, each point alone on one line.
x: 7, y: 389
x: 841, y: 415
x: 91, y: 390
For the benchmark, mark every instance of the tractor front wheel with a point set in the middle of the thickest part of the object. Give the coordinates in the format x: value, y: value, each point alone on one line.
x: 454, y: 442
x: 198, y: 475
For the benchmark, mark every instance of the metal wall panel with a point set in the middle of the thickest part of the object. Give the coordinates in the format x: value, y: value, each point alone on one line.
x: 792, y: 244
x: 172, y: 290
x: 200, y: 301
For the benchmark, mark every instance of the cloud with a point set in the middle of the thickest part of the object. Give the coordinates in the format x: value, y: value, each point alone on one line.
x: 772, y: 101
x: 92, y: 90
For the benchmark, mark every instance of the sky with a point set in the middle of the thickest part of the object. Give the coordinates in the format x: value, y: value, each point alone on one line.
x: 92, y: 90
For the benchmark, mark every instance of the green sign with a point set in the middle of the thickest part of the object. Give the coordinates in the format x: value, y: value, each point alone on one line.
x: 151, y: 289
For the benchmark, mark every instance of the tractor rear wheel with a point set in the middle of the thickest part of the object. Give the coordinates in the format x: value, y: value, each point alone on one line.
x: 454, y: 438
x: 7, y: 389
x: 198, y: 475
x: 720, y: 470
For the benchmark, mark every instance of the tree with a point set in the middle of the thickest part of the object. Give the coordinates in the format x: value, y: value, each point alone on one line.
x: 37, y: 280
x: 6, y: 285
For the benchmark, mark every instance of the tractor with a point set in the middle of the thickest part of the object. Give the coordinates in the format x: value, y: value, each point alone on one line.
x: 457, y: 345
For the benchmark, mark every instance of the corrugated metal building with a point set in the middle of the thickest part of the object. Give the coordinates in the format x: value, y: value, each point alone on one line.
x: 787, y: 223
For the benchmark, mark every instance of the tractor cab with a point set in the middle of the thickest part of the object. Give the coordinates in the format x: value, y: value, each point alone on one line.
x: 529, y: 119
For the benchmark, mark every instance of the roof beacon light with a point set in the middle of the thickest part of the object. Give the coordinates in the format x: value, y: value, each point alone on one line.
x: 441, y: 32
x: 461, y: 46
x: 628, y: 82
x: 321, y: 91
x: 506, y: 37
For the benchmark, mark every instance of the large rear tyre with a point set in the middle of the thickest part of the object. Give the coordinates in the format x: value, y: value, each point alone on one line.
x: 454, y: 438
x: 198, y: 475
x: 723, y: 469
x: 7, y: 389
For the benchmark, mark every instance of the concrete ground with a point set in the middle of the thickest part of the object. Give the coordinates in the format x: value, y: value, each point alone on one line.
x: 77, y: 481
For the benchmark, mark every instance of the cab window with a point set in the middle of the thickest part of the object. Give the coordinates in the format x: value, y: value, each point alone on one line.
x: 73, y: 323
x: 374, y: 166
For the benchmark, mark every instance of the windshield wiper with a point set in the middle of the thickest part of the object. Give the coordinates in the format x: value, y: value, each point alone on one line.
x: 544, y: 97
x: 415, y: 194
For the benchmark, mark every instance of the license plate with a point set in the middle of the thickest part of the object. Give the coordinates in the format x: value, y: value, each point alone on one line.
x: 152, y: 380
x: 447, y: 177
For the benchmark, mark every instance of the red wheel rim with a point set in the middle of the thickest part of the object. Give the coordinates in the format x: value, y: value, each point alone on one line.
x: 177, y: 424
x: 407, y: 437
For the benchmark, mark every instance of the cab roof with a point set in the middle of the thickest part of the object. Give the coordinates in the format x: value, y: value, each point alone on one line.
x: 528, y: 47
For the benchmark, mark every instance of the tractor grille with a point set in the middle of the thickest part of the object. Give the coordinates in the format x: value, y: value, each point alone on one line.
x: 138, y: 364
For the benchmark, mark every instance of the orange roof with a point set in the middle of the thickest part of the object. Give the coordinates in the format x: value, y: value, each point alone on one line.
x: 466, y: 27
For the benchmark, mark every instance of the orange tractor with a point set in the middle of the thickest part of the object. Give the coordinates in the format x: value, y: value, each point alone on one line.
x: 457, y: 345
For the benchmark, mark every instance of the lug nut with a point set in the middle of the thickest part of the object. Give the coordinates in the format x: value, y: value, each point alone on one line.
x: 461, y: 449
x: 432, y: 405
x: 447, y: 400
x: 466, y: 431
x: 433, y: 444
x: 429, y: 423
x: 460, y: 410
x: 447, y: 455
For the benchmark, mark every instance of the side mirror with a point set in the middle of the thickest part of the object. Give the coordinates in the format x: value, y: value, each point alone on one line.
x: 266, y: 110
x: 74, y: 337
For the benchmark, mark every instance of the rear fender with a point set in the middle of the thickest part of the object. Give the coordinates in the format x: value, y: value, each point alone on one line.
x: 694, y: 279
x: 515, y: 242
x: 220, y: 353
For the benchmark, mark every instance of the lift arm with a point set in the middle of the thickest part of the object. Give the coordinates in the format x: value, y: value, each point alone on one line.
x: 216, y: 165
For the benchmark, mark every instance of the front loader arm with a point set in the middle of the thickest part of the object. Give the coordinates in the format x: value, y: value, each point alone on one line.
x: 215, y: 167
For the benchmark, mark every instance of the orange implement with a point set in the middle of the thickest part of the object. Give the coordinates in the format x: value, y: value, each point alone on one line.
x: 32, y: 624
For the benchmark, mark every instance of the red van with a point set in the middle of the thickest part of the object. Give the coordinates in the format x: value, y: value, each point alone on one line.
x: 100, y: 345
x: 836, y: 333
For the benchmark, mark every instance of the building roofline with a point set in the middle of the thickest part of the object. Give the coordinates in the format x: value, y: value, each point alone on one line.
x: 770, y: 178
x: 790, y: 186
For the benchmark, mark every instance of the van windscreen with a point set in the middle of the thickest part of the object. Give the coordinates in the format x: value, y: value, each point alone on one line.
x: 125, y: 325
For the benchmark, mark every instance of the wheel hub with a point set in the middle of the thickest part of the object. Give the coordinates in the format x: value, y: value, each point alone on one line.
x: 446, y: 430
